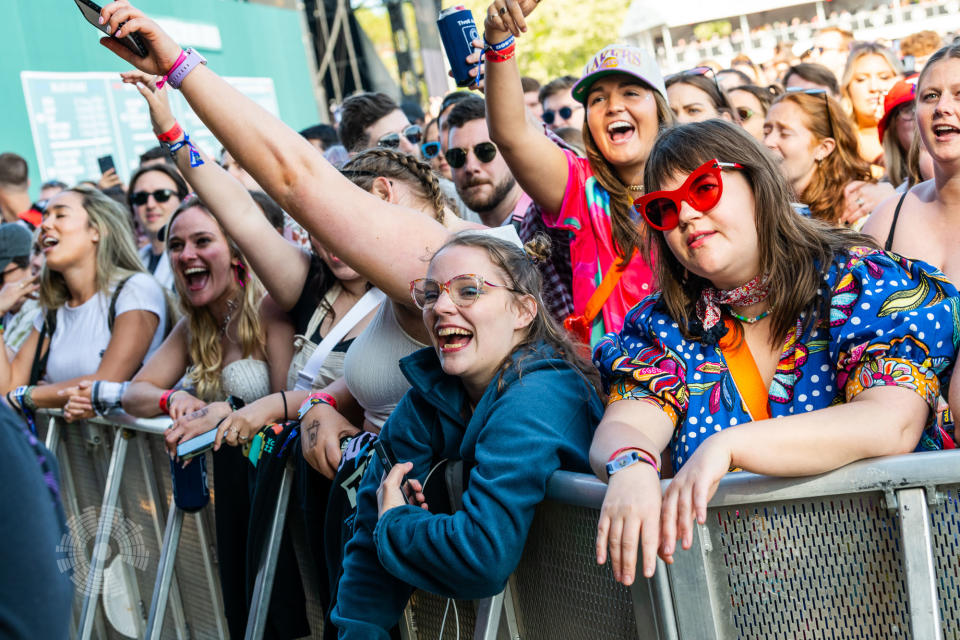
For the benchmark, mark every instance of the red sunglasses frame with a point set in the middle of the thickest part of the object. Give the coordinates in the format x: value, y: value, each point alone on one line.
x: 678, y: 196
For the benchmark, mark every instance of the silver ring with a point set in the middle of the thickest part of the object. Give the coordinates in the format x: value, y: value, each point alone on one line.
x: 860, y: 201
x: 242, y: 438
x: 233, y: 430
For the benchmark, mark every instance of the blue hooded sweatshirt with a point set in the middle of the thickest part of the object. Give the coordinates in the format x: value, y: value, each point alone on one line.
x: 541, y: 420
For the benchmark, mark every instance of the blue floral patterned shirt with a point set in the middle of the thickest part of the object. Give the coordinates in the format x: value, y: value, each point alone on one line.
x: 892, y: 321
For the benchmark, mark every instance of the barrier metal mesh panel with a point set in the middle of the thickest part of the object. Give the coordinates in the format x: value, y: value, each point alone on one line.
x: 428, y: 615
x: 810, y: 569
x: 945, y: 527
x: 560, y: 590
x: 88, y: 448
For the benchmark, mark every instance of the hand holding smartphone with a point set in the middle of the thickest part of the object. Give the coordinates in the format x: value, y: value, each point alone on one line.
x: 91, y: 11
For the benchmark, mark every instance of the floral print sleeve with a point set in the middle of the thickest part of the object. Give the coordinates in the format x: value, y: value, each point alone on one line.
x: 639, y: 364
x: 893, y: 321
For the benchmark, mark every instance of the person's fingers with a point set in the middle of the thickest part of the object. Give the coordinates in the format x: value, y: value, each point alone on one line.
x: 121, y: 15
x: 685, y: 516
x: 702, y: 492
x: 628, y: 548
x: 218, y: 440
x: 119, y: 49
x: 649, y: 540
x: 395, y: 478
x: 603, y: 530
x: 85, y: 384
x: 516, y: 13
x: 614, y: 541
x: 668, y: 521
x: 330, y: 460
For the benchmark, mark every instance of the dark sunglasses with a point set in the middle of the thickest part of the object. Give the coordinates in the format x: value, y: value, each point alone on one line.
x: 702, y: 190
x: 430, y: 150
x: 826, y: 103
x: 413, y: 134
x: 140, y: 198
x: 457, y: 157
x: 550, y: 115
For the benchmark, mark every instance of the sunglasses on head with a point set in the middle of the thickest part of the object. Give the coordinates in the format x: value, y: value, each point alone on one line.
x: 463, y: 290
x: 701, y: 190
x: 457, y: 157
x: 549, y: 115
x: 413, y: 134
x: 430, y: 150
x: 140, y: 198
x: 826, y: 102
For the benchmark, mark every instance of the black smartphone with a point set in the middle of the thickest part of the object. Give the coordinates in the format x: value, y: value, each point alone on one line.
x: 386, y: 457
x: 91, y: 11
x: 106, y: 163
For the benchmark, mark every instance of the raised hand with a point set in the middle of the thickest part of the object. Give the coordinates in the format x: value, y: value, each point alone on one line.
x: 123, y: 19
x: 157, y: 99
x: 507, y: 16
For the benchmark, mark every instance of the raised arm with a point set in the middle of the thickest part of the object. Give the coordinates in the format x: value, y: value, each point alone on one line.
x: 281, y: 266
x: 386, y: 244
x: 537, y: 163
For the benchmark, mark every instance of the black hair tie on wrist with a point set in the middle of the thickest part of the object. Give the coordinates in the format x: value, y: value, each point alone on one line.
x: 283, y: 395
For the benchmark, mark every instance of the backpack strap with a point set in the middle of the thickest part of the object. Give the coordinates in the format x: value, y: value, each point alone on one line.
x: 112, y: 313
x: 40, y: 357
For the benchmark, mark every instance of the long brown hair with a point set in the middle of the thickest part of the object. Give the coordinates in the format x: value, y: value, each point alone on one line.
x: 523, y: 278
x: 826, y: 119
x: 204, y: 344
x: 795, y: 251
x: 626, y: 235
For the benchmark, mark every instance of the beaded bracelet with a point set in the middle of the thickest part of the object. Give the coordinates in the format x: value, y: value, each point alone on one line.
x: 314, y: 399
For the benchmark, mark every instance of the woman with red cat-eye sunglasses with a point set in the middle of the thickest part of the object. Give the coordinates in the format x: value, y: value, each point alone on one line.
x: 702, y: 190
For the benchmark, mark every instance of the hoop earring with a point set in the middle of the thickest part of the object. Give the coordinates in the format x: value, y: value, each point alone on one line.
x: 240, y: 274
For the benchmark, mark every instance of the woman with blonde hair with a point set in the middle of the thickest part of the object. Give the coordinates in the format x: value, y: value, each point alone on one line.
x: 103, y: 315
x: 817, y: 149
x: 871, y: 71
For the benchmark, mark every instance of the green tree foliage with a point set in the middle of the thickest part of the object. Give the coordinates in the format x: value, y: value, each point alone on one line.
x: 563, y: 35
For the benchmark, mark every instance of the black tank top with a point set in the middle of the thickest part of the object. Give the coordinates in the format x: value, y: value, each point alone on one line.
x: 888, y: 245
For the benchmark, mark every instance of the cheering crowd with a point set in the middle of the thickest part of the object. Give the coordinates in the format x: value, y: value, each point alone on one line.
x: 761, y: 272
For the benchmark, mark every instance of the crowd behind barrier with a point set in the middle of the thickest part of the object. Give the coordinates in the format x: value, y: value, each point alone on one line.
x: 388, y: 379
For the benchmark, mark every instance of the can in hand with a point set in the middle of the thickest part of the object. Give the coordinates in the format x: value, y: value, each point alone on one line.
x: 457, y: 32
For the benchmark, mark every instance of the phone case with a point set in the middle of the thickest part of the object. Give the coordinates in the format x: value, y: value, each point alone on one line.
x: 91, y: 11
x: 197, y: 445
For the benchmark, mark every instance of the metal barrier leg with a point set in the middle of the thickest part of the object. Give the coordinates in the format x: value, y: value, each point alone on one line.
x: 213, y: 580
x: 488, y: 617
x: 53, y: 435
x: 408, y: 629
x: 161, y: 588
x: 921, y: 578
x: 102, y: 545
x: 688, y: 579
x: 176, y: 604
x: 263, y: 586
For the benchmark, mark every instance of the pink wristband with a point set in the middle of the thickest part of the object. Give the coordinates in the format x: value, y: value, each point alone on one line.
x: 162, y: 81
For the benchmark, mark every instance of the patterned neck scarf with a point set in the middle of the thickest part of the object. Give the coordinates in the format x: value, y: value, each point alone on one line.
x: 708, y: 306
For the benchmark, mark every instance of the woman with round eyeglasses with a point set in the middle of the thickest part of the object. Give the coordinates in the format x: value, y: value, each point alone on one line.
x: 502, y: 391
x: 154, y: 194
x: 751, y: 104
x: 432, y: 150
x: 777, y: 345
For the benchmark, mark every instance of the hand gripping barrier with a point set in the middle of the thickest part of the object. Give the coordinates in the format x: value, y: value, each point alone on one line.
x: 871, y: 550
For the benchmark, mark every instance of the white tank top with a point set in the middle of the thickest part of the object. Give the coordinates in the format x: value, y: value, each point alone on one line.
x: 371, y: 368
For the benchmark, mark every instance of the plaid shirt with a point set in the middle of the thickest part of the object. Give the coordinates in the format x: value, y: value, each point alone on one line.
x: 556, y: 272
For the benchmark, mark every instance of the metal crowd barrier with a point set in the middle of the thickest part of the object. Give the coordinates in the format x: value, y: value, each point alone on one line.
x: 122, y: 501
x: 871, y: 550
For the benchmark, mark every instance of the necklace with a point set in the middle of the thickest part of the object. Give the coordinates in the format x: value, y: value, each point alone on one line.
x: 637, y: 188
x: 748, y: 319
x: 231, y: 307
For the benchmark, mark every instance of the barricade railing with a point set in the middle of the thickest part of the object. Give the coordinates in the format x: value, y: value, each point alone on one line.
x: 869, y: 550
x: 124, y: 501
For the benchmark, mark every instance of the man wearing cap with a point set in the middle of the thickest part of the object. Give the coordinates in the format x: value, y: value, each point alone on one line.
x: 18, y: 304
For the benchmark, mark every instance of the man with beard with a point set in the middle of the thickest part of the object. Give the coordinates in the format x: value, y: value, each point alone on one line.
x: 482, y: 177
